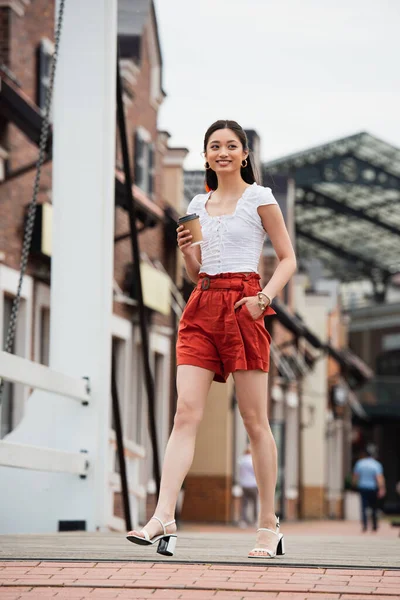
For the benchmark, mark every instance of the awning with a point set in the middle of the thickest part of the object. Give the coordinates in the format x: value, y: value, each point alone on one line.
x: 354, y: 369
x: 282, y: 364
x: 353, y: 184
x: 380, y: 399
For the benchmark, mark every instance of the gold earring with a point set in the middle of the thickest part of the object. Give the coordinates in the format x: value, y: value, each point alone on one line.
x: 245, y: 163
x: 207, y: 166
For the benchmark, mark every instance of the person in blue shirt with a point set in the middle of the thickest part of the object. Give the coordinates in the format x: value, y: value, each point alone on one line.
x: 370, y: 482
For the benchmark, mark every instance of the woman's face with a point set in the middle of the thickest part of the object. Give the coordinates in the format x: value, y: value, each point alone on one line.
x: 225, y: 152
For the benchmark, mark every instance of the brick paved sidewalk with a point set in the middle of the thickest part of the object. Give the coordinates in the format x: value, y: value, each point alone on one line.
x: 34, y: 580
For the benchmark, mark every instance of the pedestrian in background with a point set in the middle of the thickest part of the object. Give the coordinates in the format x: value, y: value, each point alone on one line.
x: 248, y: 483
x: 370, y: 482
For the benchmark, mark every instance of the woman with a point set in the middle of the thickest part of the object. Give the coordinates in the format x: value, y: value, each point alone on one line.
x: 222, y: 329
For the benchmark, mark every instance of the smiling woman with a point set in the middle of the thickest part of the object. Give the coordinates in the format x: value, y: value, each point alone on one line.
x: 222, y: 330
x: 228, y: 153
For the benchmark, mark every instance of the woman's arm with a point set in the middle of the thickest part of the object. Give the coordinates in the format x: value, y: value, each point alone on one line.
x: 192, y: 265
x: 274, y: 224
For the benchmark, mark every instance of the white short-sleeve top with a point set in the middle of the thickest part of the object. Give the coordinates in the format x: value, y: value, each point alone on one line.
x: 233, y: 243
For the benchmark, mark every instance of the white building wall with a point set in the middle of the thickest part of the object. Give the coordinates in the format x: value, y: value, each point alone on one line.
x: 314, y: 308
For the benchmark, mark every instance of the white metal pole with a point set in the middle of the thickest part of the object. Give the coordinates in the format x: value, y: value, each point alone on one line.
x: 83, y: 227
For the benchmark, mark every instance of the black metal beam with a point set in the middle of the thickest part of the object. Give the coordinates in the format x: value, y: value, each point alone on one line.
x: 125, y: 236
x: 350, y: 257
x: 122, y: 201
x: 24, y: 170
x: 25, y: 116
x: 120, y: 443
x: 131, y: 208
x: 317, y: 199
x: 286, y: 318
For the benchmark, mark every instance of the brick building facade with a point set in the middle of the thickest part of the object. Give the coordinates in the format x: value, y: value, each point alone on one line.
x: 26, y: 45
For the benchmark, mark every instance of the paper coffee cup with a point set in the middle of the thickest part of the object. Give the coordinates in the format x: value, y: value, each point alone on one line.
x: 192, y: 222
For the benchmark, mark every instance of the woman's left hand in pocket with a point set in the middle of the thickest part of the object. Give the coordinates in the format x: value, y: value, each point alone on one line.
x: 251, y: 303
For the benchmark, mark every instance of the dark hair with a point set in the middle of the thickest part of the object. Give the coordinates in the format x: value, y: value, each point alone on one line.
x: 248, y: 173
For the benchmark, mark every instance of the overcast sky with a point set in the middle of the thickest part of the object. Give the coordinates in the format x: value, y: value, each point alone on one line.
x: 300, y: 72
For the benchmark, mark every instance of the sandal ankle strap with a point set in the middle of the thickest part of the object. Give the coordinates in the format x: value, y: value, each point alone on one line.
x: 266, y: 529
x: 163, y: 525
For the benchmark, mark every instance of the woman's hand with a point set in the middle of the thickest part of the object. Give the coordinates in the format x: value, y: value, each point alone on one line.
x: 184, y: 238
x: 251, y: 305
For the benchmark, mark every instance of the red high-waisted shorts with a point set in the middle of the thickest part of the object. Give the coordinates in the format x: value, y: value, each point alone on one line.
x: 215, y: 336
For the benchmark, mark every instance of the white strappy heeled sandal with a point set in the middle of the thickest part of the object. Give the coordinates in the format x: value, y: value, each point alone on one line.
x: 266, y: 553
x: 167, y: 541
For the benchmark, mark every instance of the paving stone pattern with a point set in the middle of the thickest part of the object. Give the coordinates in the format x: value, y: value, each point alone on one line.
x: 34, y: 580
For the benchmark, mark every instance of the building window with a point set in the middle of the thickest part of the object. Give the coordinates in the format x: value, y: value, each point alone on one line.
x: 7, y: 408
x: 144, y: 152
x: 45, y: 55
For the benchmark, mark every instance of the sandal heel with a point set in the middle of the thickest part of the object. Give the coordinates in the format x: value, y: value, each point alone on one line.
x: 280, y: 550
x: 166, y: 546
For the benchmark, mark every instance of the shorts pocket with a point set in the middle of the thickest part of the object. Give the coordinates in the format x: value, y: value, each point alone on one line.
x: 248, y: 335
x: 246, y: 312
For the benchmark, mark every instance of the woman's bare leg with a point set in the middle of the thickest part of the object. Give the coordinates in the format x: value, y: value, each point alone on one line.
x: 193, y: 384
x: 252, y: 393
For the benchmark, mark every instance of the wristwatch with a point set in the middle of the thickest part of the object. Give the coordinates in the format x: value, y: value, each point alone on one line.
x: 261, y: 301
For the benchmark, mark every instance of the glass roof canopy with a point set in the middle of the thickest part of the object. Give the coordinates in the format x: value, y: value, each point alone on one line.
x: 347, y: 206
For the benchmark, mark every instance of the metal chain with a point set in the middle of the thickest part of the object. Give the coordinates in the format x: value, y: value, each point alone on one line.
x: 33, y: 204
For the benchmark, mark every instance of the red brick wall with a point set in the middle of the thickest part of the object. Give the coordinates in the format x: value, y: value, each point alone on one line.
x: 25, y: 34
x: 141, y: 113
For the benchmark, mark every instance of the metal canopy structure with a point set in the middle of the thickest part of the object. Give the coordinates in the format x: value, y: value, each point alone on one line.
x: 347, y: 207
